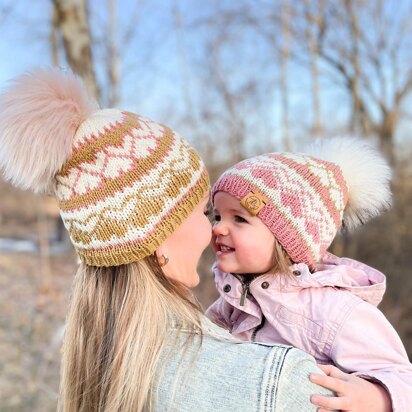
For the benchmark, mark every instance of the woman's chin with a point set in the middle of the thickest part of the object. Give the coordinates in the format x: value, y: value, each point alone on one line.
x: 193, y: 282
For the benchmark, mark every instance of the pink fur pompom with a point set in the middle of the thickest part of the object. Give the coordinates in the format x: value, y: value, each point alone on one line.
x: 40, y: 113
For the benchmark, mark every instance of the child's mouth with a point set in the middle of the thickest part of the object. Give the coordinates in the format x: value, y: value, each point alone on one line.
x: 223, y: 249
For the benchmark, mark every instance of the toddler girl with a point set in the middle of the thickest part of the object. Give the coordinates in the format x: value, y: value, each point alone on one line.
x: 275, y: 216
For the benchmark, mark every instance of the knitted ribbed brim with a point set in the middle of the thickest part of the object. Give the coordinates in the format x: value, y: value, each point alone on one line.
x: 129, y: 183
x: 304, y: 199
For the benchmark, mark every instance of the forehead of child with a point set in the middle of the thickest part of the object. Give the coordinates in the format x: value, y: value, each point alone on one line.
x: 223, y: 201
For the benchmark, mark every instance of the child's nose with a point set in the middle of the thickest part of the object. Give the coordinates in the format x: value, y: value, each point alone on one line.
x: 220, y: 229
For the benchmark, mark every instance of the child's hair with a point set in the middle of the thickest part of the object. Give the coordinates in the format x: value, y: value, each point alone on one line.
x: 281, y: 260
x: 305, y: 198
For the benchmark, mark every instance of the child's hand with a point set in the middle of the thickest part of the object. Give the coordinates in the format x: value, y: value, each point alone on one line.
x: 354, y: 394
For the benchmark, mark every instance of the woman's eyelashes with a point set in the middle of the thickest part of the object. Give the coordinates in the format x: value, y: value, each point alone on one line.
x: 208, y: 211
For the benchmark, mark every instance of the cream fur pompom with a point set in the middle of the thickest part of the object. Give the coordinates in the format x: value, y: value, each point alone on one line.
x: 40, y: 112
x: 366, y: 173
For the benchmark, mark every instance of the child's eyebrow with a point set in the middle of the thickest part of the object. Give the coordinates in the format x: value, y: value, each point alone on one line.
x: 239, y: 211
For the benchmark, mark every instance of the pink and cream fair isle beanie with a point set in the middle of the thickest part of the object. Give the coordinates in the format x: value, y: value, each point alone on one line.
x: 123, y: 182
x: 304, y: 199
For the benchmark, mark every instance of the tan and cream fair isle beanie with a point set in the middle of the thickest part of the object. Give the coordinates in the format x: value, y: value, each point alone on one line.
x: 123, y: 182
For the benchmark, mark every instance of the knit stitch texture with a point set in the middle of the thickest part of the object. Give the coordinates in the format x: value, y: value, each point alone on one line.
x: 129, y: 183
x: 305, y: 197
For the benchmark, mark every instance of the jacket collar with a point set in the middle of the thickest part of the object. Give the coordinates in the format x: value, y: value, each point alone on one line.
x: 360, y: 279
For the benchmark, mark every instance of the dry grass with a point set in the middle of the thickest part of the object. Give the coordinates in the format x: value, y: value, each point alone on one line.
x: 31, y: 323
x: 34, y: 292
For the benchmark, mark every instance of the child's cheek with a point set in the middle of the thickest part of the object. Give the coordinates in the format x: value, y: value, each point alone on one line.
x: 213, y: 243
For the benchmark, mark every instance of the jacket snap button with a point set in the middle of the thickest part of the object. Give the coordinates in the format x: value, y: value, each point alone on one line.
x: 227, y: 288
x: 265, y: 285
x: 296, y: 272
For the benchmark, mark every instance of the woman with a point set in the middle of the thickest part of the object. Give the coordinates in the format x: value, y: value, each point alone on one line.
x: 133, y: 196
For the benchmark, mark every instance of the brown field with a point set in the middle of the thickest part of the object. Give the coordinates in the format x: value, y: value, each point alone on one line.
x: 35, y: 289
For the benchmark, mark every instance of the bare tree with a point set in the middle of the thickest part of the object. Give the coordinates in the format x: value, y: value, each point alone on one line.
x: 183, y: 62
x: 70, y: 22
x: 54, y: 37
x: 311, y: 35
x: 364, y: 47
x: 113, y: 62
x: 229, y: 98
x: 368, y: 61
x: 72, y: 18
x: 285, y: 53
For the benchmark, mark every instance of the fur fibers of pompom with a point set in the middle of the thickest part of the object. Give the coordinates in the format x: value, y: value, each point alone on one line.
x: 40, y: 113
x: 365, y: 171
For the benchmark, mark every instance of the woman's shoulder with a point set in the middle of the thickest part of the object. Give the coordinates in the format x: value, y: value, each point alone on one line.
x: 220, y: 373
x: 240, y: 353
x: 219, y: 348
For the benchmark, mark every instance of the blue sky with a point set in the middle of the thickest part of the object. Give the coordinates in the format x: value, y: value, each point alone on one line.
x: 158, y: 79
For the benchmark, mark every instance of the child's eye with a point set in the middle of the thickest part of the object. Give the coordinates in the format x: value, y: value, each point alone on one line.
x: 217, y: 218
x: 240, y: 219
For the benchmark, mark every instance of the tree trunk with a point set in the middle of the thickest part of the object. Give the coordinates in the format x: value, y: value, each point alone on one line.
x: 113, y: 55
x: 314, y: 75
x: 54, y: 38
x: 73, y: 20
x: 386, y: 134
x: 284, y: 89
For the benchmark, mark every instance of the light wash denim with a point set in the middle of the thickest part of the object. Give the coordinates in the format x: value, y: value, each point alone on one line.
x: 223, y: 374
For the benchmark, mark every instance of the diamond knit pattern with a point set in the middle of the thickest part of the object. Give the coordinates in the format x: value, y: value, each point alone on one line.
x: 306, y: 197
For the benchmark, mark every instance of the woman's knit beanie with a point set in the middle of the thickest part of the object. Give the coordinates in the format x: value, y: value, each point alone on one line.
x: 123, y: 182
x: 305, y: 198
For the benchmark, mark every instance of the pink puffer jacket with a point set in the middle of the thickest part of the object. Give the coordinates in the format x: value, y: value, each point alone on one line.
x: 330, y: 314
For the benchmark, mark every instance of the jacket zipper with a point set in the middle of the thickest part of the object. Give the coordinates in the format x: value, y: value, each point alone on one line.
x: 245, y: 291
x: 245, y: 288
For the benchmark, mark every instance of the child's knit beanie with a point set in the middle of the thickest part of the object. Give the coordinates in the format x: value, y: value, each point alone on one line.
x: 123, y: 182
x: 305, y: 198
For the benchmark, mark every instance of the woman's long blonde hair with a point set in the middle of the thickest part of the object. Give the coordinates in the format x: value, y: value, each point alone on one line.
x: 117, y: 329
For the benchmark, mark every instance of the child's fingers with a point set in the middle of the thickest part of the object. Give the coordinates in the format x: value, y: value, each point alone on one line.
x: 334, y: 384
x: 332, y: 371
x: 330, y: 403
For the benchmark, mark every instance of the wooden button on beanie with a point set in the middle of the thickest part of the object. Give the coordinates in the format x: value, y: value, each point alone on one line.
x: 305, y: 198
x: 123, y: 182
